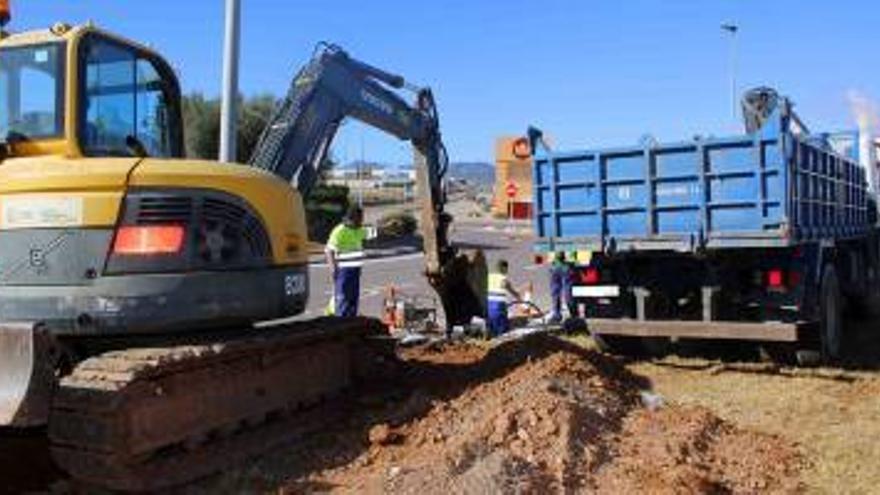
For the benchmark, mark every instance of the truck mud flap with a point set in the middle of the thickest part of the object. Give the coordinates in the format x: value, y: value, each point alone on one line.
x: 27, y: 374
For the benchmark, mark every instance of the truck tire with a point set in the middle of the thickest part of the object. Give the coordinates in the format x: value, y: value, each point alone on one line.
x: 830, y: 316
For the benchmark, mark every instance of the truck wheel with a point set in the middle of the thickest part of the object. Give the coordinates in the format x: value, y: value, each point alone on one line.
x: 619, y: 344
x: 830, y: 317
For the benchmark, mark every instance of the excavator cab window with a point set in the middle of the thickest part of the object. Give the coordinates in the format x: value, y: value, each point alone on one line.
x: 32, y: 92
x: 127, y: 93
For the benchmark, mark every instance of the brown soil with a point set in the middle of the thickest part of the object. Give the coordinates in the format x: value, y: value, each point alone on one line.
x: 538, y: 415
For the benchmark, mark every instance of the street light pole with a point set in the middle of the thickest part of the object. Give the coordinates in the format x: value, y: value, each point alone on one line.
x: 732, y: 29
x: 229, y: 103
x: 361, y: 165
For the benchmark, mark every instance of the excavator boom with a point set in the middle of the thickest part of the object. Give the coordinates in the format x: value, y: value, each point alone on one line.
x: 334, y: 86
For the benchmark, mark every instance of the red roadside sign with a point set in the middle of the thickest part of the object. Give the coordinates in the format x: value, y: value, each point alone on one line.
x: 511, y: 190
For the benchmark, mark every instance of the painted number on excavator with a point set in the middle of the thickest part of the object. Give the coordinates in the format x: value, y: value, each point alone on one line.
x: 294, y: 284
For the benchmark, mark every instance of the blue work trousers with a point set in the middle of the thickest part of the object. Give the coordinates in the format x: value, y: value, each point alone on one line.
x: 498, y: 322
x: 347, y: 288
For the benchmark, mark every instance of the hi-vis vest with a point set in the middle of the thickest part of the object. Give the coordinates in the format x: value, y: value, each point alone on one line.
x: 497, y: 292
x: 348, y: 244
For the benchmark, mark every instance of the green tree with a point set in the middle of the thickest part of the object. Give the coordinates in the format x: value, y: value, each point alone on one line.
x: 201, y: 117
x: 325, y: 205
x: 201, y: 126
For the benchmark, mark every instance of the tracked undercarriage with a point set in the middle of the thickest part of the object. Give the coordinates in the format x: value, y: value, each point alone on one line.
x: 148, y: 418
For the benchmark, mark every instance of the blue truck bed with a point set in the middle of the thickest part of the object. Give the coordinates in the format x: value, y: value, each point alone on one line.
x: 775, y: 187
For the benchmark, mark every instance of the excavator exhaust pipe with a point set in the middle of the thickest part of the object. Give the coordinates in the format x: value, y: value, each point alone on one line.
x: 27, y: 374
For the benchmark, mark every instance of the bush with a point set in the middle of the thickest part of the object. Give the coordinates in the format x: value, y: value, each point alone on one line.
x: 395, y: 225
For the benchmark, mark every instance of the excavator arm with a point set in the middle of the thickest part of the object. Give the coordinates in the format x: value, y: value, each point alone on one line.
x: 334, y: 86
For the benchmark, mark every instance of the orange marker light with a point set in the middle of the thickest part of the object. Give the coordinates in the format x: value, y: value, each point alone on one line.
x: 5, y: 12
x: 149, y: 239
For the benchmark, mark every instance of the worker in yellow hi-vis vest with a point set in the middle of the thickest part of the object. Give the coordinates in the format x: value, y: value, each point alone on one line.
x: 345, y: 256
x: 500, y: 292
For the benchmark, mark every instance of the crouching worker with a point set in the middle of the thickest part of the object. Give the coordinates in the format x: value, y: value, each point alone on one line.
x: 500, y: 291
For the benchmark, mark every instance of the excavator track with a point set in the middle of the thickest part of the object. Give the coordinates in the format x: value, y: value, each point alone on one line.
x: 144, y: 419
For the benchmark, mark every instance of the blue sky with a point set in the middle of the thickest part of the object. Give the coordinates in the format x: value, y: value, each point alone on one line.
x: 591, y: 73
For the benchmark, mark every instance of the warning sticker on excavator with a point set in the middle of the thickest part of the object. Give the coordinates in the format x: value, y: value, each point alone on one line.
x: 40, y: 211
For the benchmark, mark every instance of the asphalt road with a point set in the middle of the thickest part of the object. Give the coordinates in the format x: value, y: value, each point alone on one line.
x: 405, y: 271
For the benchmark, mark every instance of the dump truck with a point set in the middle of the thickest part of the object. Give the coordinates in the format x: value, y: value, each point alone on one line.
x: 767, y: 236
x: 135, y: 284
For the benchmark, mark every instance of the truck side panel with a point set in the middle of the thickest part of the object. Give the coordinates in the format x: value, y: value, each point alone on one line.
x: 749, y: 191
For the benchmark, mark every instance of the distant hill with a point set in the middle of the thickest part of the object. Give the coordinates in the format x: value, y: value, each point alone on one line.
x: 477, y: 172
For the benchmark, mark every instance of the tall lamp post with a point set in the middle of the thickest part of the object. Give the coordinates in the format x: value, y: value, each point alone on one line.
x: 229, y: 103
x: 732, y: 29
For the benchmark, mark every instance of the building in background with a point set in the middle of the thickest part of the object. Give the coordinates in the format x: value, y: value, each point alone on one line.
x: 513, y: 171
x: 376, y: 184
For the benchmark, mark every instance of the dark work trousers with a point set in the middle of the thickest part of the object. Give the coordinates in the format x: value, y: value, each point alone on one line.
x: 560, y: 289
x: 498, y: 322
x: 347, y: 288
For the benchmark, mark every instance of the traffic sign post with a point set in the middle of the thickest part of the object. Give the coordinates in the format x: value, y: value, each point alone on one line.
x: 511, y: 191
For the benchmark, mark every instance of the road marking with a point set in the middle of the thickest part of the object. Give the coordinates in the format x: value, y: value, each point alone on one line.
x: 376, y: 261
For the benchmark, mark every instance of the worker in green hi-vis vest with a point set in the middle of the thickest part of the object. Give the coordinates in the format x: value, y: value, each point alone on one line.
x: 345, y: 256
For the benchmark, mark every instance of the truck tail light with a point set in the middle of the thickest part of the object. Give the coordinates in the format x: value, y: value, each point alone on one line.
x: 775, y: 279
x: 590, y: 275
x: 148, y: 239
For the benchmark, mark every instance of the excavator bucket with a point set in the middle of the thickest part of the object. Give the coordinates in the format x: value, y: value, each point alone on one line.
x: 27, y: 374
x: 462, y: 287
x: 458, y: 277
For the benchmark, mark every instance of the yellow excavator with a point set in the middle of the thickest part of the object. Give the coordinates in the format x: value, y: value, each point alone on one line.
x: 132, y: 279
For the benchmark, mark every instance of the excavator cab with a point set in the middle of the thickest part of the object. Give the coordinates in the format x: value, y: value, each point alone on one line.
x: 109, y: 237
x: 82, y: 92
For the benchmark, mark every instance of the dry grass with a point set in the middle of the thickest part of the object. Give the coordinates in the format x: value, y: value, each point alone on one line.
x: 836, y: 422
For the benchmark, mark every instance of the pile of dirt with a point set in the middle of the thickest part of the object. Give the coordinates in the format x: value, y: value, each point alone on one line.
x: 537, y: 415
x: 536, y: 427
